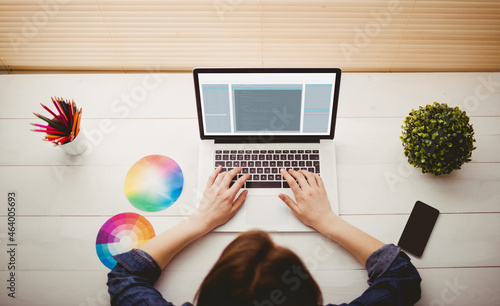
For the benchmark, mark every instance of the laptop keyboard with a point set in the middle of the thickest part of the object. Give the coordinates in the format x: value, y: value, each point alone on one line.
x: 264, y: 165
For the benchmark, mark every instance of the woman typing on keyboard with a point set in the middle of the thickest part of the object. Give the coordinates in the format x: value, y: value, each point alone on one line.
x: 252, y: 270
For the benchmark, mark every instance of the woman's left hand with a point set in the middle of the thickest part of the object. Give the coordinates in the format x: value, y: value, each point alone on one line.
x: 218, y: 204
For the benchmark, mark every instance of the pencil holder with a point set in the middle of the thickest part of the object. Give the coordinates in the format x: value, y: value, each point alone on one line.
x: 63, y: 130
x: 78, y: 146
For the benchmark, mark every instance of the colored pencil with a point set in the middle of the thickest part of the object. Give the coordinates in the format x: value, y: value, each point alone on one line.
x: 48, y: 109
x: 78, y: 123
x: 65, y: 112
x: 52, y: 137
x: 60, y: 110
x: 43, y: 126
x: 70, y: 111
x: 53, y: 132
x: 48, y: 127
x: 75, y: 121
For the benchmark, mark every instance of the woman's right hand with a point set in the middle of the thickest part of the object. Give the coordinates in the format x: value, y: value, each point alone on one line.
x: 313, y: 209
x: 312, y: 206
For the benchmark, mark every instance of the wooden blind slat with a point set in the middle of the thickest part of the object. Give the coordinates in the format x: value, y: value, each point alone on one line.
x: 135, y: 35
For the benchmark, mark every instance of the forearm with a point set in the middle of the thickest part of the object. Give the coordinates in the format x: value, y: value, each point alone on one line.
x: 166, y: 245
x: 359, y: 243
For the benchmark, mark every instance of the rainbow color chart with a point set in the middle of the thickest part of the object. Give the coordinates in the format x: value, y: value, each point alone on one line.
x: 154, y: 183
x: 121, y: 233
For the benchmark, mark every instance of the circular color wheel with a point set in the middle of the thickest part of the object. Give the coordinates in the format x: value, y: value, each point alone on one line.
x: 154, y: 183
x: 121, y: 233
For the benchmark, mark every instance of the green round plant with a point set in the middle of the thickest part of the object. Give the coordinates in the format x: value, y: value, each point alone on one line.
x: 438, y: 138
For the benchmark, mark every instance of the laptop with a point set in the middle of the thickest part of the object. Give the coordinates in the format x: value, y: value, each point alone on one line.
x: 264, y: 119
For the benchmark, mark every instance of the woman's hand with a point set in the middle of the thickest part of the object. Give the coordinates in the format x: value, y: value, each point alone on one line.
x: 216, y: 208
x: 312, y: 207
x: 218, y: 204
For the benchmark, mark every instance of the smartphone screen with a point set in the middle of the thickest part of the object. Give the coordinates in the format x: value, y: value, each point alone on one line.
x: 418, y: 228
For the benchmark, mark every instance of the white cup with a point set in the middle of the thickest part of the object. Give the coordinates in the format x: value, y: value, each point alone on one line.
x: 77, y: 146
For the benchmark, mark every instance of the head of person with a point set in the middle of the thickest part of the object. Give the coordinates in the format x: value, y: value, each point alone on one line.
x: 252, y: 270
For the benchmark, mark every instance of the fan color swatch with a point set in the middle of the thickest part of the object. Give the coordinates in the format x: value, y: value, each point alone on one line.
x: 154, y: 183
x: 121, y: 233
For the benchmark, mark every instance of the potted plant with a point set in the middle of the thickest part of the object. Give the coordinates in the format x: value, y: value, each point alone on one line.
x: 438, y: 138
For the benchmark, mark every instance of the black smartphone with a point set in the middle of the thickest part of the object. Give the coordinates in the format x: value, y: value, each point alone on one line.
x: 418, y: 228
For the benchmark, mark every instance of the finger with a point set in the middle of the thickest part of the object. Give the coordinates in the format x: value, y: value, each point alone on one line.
x: 239, y: 183
x: 300, y: 178
x: 239, y: 202
x: 219, y: 178
x: 311, y: 180
x: 290, y: 180
x: 289, y: 202
x: 319, y: 180
x: 213, y: 176
x: 227, y: 179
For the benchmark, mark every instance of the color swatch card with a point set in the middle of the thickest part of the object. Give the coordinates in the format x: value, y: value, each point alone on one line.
x: 154, y: 183
x: 121, y: 233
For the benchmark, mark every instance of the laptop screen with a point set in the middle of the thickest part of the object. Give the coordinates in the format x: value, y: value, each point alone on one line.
x: 279, y: 102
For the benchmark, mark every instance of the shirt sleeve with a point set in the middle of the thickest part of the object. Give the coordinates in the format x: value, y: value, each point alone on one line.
x: 380, y: 261
x: 131, y: 282
x: 392, y: 278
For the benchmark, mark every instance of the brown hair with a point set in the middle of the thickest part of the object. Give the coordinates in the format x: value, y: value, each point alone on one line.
x: 252, y: 270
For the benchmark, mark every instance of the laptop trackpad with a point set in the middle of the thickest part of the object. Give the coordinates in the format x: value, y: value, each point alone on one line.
x: 266, y: 210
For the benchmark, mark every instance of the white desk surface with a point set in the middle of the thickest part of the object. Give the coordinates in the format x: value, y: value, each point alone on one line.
x: 62, y: 202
